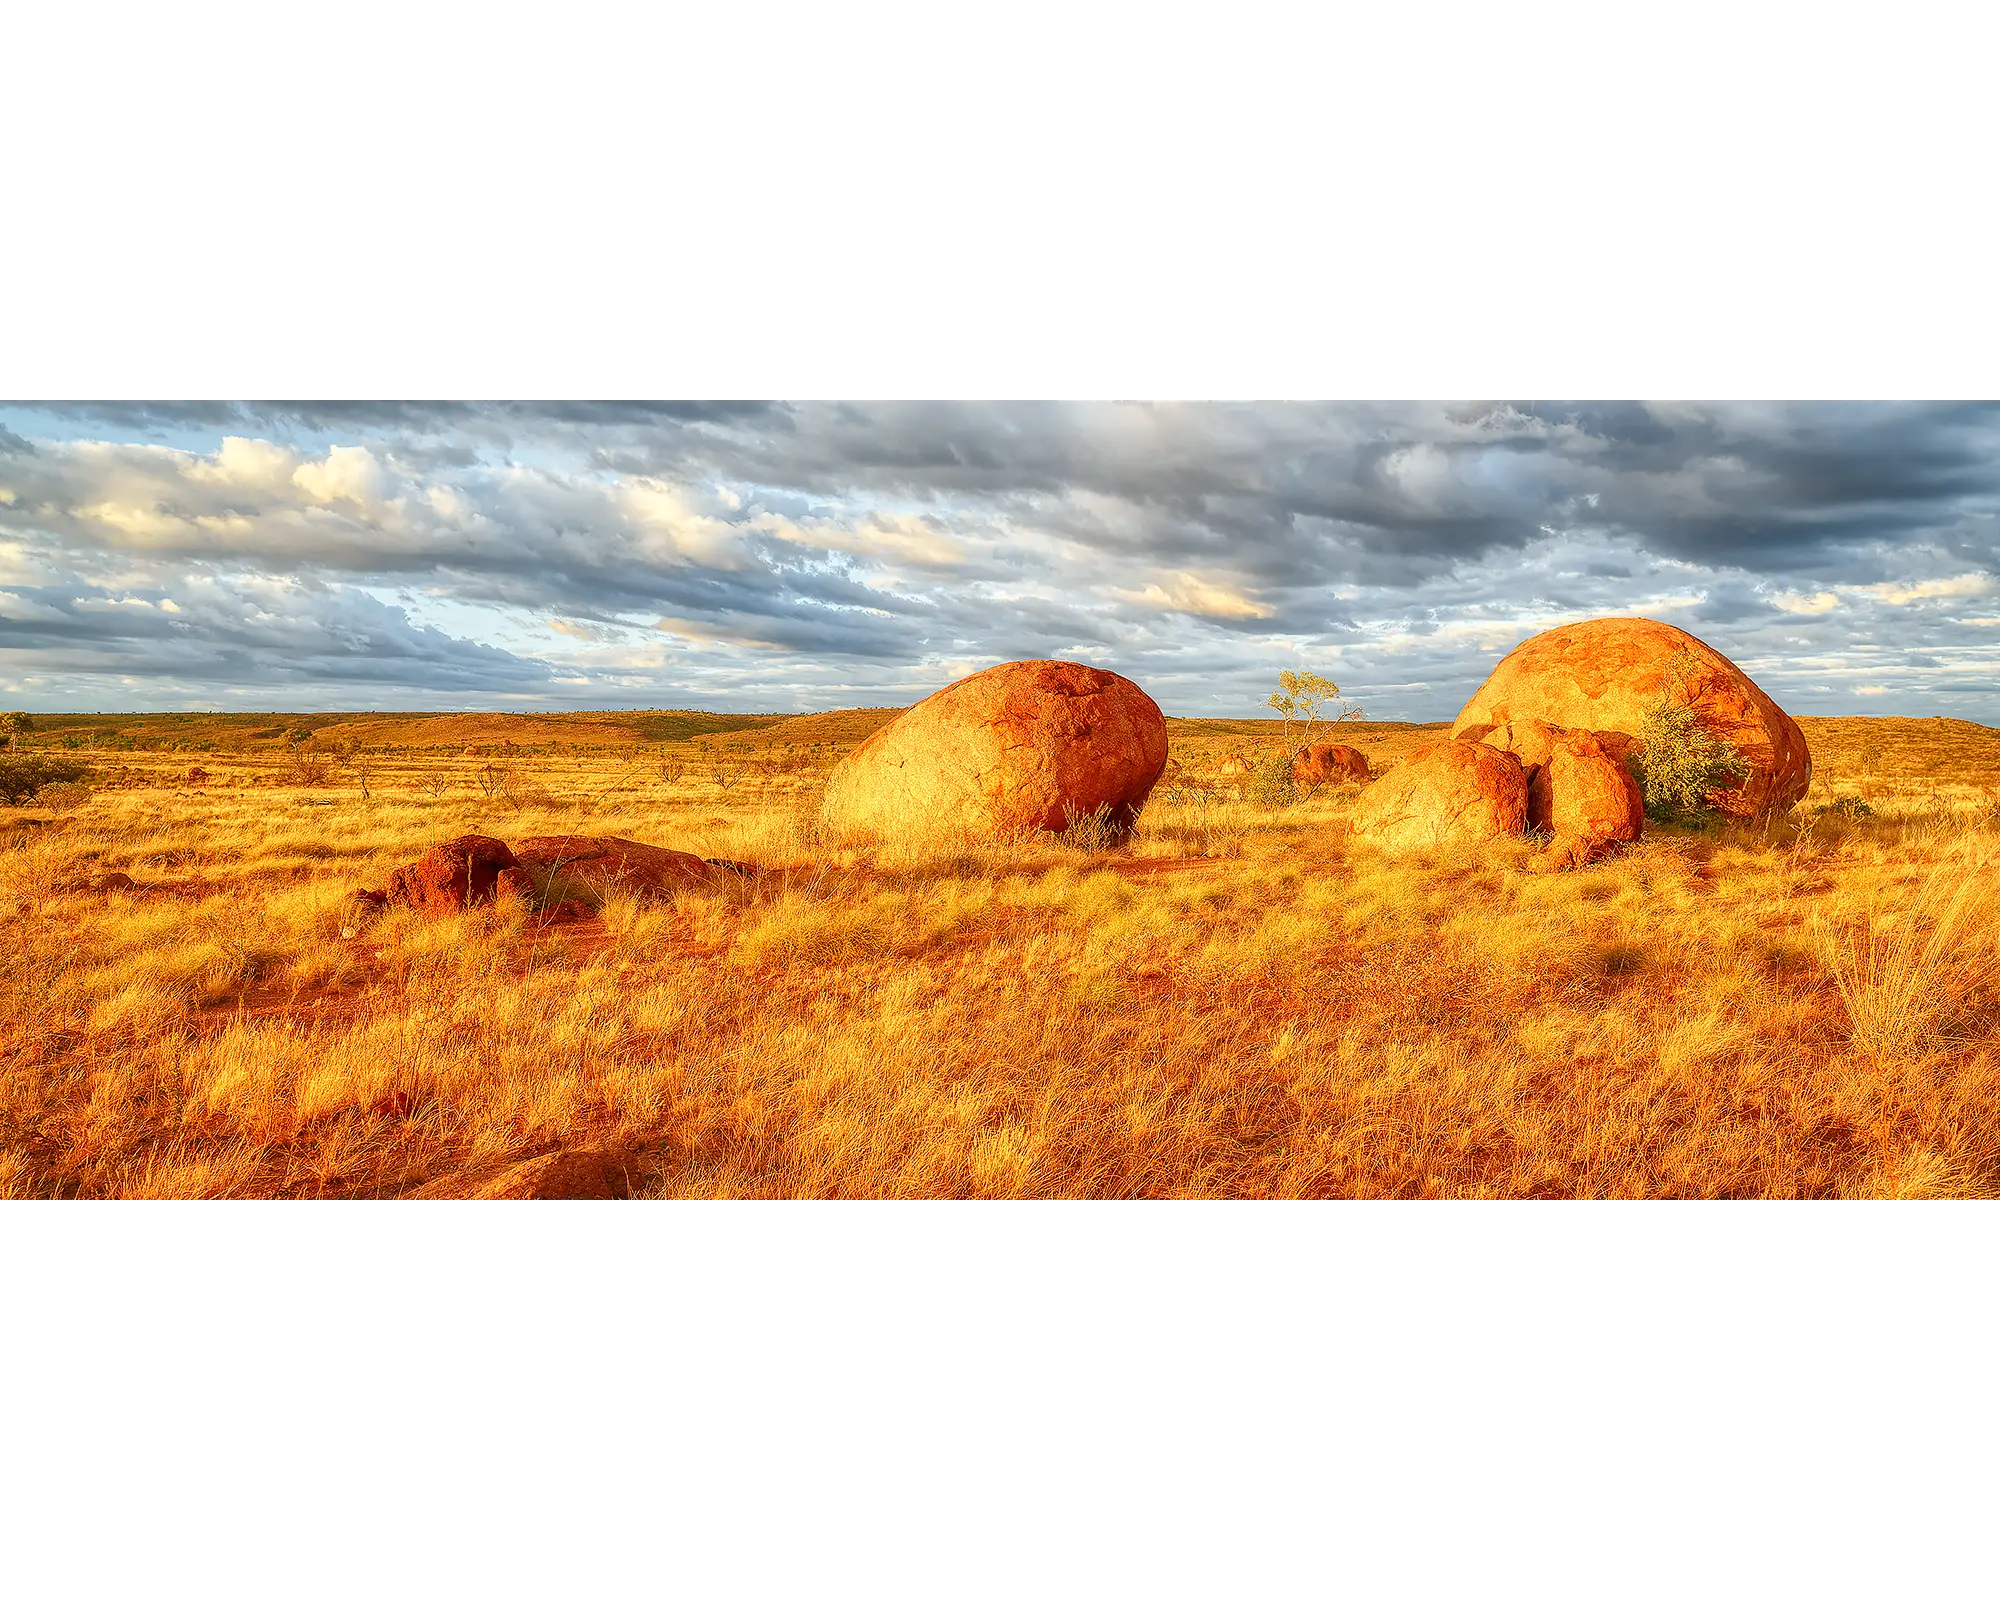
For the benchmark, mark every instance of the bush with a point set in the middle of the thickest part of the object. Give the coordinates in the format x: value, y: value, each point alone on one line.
x: 1089, y: 831
x: 1849, y: 807
x: 1679, y: 763
x: 308, y: 771
x: 22, y: 776
x: 63, y: 796
x: 1272, y: 784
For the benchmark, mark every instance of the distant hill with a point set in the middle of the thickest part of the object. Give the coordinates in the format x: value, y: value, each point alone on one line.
x: 1844, y: 748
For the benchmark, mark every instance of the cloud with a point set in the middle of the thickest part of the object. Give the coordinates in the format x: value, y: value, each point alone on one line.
x: 695, y: 628
x: 1903, y: 594
x: 824, y: 553
x: 1196, y: 596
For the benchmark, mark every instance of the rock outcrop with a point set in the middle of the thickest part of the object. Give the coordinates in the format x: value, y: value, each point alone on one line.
x: 1024, y: 747
x: 562, y: 1175
x: 600, y: 866
x: 1329, y: 763
x: 459, y: 873
x: 1441, y: 792
x: 1580, y: 788
x: 1602, y: 677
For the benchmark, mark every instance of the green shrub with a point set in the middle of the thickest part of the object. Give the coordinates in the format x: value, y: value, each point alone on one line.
x: 1272, y: 784
x: 1850, y: 807
x: 1680, y: 764
x: 21, y: 776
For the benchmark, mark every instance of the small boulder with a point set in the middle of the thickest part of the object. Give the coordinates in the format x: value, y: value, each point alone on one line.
x: 1587, y: 798
x: 105, y: 882
x: 459, y: 873
x: 1028, y: 746
x: 195, y: 775
x: 1441, y: 792
x: 1528, y: 740
x: 561, y: 1175
x: 598, y: 866
x: 1329, y: 763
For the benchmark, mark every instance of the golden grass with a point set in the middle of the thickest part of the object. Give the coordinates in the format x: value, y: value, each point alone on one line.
x: 1242, y: 1002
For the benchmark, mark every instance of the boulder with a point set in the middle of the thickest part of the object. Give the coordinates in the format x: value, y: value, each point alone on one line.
x: 195, y: 775
x: 1528, y: 740
x: 598, y: 866
x: 1586, y: 797
x: 459, y: 873
x: 1441, y: 792
x: 1603, y: 676
x: 1233, y: 772
x: 1329, y: 763
x: 562, y: 1175
x: 1024, y: 747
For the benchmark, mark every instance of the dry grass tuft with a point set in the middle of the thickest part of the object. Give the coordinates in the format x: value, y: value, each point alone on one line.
x: 1905, y: 971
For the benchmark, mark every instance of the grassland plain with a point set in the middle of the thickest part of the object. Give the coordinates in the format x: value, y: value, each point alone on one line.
x: 1243, y: 1002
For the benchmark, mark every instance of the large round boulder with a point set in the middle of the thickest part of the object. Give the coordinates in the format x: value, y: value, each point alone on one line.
x: 1028, y: 746
x: 1604, y: 676
x: 1329, y: 763
x: 1443, y: 792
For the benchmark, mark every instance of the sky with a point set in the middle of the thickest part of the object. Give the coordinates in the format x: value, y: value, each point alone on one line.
x: 779, y: 557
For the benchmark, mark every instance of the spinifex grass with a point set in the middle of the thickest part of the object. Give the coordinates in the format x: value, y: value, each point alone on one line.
x: 1241, y: 1000
x: 1906, y: 971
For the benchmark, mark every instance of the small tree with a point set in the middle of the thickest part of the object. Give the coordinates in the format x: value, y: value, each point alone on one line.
x: 1302, y: 699
x: 14, y: 724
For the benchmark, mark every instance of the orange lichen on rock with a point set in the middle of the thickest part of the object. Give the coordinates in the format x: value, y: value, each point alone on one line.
x: 1449, y: 790
x: 1604, y: 676
x: 1028, y: 746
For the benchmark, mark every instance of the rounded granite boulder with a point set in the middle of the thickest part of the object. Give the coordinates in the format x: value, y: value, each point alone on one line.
x: 1603, y: 677
x: 1030, y: 746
